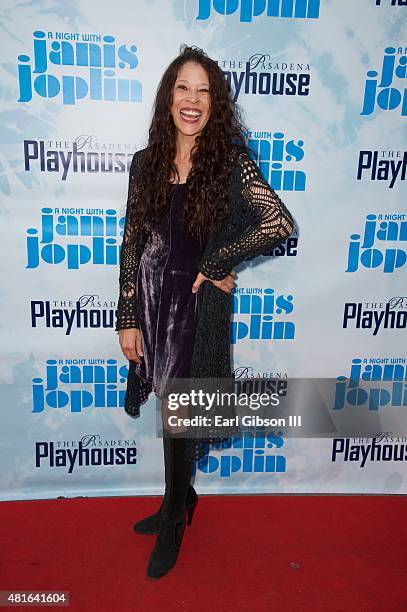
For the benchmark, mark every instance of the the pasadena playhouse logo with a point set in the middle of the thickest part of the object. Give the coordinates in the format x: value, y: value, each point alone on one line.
x: 248, y: 10
x: 73, y: 237
x: 394, y: 3
x: 88, y: 311
x: 387, y: 91
x: 69, y: 67
x: 383, y: 447
x: 374, y: 316
x: 381, y: 246
x: 386, y: 166
x: 90, y: 451
x: 261, y: 314
x: 86, y: 154
x: 261, y: 74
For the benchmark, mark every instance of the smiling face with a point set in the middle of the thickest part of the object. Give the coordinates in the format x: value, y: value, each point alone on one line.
x: 190, y: 108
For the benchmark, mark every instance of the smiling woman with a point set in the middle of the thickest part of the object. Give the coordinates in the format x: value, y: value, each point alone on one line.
x: 190, y: 110
x: 197, y: 206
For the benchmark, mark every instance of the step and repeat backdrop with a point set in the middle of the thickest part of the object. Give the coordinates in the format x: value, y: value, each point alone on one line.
x: 322, y: 85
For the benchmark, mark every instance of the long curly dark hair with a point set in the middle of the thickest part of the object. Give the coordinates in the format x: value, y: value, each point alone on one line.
x: 209, y: 178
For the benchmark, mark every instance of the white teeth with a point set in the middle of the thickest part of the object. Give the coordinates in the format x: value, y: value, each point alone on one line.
x: 191, y: 113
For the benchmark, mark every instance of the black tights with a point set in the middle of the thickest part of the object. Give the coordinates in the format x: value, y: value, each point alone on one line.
x: 178, y: 473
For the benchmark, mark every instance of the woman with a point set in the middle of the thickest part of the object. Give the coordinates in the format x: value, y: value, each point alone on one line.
x: 197, y: 206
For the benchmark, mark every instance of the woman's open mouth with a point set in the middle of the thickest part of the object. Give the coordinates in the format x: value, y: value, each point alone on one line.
x: 190, y: 115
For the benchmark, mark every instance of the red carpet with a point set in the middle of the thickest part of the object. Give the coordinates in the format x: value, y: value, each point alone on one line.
x: 240, y: 553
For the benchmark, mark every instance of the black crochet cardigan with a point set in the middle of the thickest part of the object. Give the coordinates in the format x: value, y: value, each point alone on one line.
x: 256, y: 222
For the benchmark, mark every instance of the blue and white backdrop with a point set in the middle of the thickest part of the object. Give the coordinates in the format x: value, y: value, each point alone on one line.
x: 323, y: 88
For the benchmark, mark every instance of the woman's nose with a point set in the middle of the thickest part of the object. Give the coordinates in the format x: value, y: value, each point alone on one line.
x: 192, y: 96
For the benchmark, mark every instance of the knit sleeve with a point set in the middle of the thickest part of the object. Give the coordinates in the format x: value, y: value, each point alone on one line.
x: 126, y: 314
x: 264, y: 221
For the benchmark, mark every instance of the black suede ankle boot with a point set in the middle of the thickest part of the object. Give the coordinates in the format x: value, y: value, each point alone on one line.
x: 173, y: 522
x: 151, y: 524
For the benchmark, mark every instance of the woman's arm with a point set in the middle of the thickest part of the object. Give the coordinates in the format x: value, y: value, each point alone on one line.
x: 265, y: 222
x: 126, y: 315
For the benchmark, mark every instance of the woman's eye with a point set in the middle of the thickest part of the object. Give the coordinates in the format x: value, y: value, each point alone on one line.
x: 181, y: 87
x: 204, y: 90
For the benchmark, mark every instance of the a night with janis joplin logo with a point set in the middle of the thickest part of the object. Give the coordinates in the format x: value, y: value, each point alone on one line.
x: 70, y: 67
x: 78, y: 384
x: 381, y: 246
x: 385, y: 87
x: 75, y: 237
x: 249, y: 10
x: 262, y: 314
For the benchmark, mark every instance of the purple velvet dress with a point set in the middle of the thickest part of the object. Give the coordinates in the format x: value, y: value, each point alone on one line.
x: 168, y: 310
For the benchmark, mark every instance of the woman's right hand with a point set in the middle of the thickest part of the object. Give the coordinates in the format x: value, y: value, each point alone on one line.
x: 225, y: 284
x: 131, y: 344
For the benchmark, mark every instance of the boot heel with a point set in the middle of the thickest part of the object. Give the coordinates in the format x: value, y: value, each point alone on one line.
x: 190, y: 514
